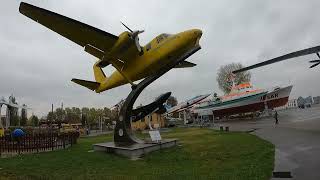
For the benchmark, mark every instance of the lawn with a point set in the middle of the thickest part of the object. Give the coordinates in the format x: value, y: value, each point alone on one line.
x: 203, y: 154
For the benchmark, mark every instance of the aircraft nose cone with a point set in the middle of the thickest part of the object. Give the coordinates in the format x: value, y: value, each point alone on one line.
x: 198, y: 32
x: 196, y: 37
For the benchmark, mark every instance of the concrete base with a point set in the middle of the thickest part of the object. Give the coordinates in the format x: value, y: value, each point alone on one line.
x: 135, y: 150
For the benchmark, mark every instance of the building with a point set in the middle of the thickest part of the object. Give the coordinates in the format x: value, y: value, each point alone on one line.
x: 309, y: 101
x: 305, y: 102
x: 12, y: 108
x: 292, y: 103
x: 316, y: 100
x: 203, y: 115
x: 156, y: 121
x: 301, y: 101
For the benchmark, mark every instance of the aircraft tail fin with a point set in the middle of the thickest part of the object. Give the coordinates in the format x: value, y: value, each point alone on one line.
x: 98, y: 73
x: 88, y: 84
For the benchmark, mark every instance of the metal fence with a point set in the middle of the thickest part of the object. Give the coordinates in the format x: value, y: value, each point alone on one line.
x: 34, y: 143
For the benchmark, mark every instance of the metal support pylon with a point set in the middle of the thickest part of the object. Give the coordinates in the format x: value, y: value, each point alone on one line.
x: 123, y: 134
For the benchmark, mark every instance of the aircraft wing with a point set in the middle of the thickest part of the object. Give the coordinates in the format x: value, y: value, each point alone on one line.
x: 95, y: 40
x: 185, y: 64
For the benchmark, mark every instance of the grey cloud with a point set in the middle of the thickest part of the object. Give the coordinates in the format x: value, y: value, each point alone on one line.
x: 36, y: 64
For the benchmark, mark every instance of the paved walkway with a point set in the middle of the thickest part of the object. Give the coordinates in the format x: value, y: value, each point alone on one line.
x: 296, y: 138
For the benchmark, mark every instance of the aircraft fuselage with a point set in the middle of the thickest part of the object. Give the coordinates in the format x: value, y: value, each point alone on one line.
x: 156, y: 54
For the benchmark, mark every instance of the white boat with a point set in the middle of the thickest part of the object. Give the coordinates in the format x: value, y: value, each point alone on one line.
x: 243, y: 98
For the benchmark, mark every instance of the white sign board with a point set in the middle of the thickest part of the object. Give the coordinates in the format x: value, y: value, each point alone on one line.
x: 155, y: 135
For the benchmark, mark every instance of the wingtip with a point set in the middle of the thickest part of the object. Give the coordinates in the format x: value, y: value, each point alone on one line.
x: 25, y: 7
x: 22, y: 7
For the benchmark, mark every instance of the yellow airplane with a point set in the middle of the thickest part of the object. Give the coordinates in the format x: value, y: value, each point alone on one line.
x: 132, y: 62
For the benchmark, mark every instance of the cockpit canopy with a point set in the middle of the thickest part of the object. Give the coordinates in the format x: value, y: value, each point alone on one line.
x: 162, y: 37
x: 157, y: 40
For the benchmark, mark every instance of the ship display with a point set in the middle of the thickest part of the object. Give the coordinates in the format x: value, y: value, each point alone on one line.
x: 243, y: 98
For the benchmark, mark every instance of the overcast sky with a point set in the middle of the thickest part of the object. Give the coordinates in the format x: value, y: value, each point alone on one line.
x: 36, y: 64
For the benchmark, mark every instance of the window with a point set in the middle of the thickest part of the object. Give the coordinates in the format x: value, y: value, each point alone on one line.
x: 162, y: 37
x: 165, y: 35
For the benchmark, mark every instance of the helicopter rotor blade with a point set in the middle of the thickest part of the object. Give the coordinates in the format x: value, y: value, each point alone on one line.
x: 303, y: 52
x: 315, y: 65
x: 314, y: 61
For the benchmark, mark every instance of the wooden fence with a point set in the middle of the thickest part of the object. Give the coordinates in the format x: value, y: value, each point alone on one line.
x: 34, y: 143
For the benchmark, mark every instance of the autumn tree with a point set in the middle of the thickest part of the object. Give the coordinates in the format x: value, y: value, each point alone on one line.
x: 224, y: 77
x: 172, y: 101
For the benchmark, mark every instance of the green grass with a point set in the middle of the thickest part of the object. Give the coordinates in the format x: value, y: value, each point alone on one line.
x: 203, y: 154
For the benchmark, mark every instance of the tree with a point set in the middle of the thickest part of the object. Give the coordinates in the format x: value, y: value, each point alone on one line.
x: 172, y: 101
x: 85, y: 114
x: 225, y: 73
x: 13, y: 111
x: 14, y: 120
x: 92, y: 116
x: 114, y: 115
x: 51, y: 116
x: 23, y: 121
x: 60, y: 114
x: 68, y: 112
x: 13, y: 114
x: 107, y: 114
x: 76, y: 115
x: 34, y: 120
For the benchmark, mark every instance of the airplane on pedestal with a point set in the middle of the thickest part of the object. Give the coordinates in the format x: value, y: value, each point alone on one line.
x: 132, y: 61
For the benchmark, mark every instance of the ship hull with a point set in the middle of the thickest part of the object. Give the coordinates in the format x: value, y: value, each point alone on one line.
x: 244, y: 105
x: 278, y: 98
x: 249, y: 104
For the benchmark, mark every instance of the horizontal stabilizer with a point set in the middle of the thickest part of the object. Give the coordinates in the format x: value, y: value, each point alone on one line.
x: 185, y: 64
x: 103, y: 63
x: 88, y: 84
